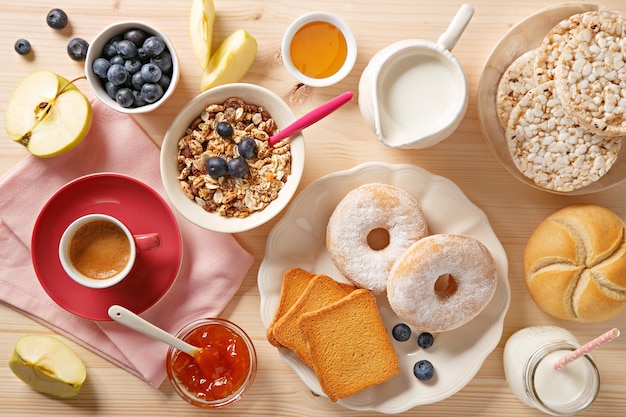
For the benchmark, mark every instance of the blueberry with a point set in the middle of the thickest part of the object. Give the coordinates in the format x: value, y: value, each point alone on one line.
x: 22, y: 47
x: 117, y: 74
x: 136, y: 81
x: 238, y: 167
x: 110, y: 49
x: 132, y: 65
x: 77, y: 49
x: 124, y: 97
x: 224, y: 129
x: 110, y: 89
x: 126, y: 48
x: 100, y: 67
x: 138, y: 101
x: 425, y: 340
x: 165, y: 81
x: 247, y: 148
x: 163, y: 61
x: 423, y: 370
x: 150, y: 73
x: 216, y: 167
x: 153, y: 46
x: 56, y: 19
x: 142, y: 55
x: 151, y: 92
x: 401, y: 332
x: 117, y: 59
x: 136, y: 36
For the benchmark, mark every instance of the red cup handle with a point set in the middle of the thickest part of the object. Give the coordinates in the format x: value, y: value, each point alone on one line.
x: 148, y: 241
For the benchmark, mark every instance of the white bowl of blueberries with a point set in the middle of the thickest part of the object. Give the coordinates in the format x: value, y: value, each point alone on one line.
x: 132, y: 67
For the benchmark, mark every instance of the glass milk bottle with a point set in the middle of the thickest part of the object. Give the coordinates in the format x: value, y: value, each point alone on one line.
x: 529, y: 355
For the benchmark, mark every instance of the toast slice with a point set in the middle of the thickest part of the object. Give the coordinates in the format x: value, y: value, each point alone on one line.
x: 348, y: 288
x: 348, y: 345
x: 295, y: 281
x: 320, y: 292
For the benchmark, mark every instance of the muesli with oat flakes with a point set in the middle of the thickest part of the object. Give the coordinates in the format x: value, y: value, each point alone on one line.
x: 227, y: 195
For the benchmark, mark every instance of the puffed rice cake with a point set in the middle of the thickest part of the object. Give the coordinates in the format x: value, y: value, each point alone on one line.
x: 590, y: 74
x: 514, y: 84
x: 552, y: 46
x: 551, y: 148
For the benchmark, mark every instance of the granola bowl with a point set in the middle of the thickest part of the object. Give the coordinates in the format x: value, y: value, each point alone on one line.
x: 216, y: 166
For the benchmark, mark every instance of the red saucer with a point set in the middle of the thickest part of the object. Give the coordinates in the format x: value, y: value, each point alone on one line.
x: 136, y: 205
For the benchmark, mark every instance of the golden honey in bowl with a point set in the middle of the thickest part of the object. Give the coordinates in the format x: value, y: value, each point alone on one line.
x: 318, y: 49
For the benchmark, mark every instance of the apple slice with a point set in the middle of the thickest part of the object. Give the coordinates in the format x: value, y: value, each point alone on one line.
x: 47, y: 114
x: 48, y: 365
x: 201, y: 19
x: 231, y: 61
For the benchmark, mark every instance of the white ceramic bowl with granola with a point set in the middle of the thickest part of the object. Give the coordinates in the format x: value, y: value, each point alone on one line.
x: 217, y: 168
x: 529, y: 103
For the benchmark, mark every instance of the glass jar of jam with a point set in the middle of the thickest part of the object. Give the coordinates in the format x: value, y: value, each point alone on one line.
x: 224, y: 371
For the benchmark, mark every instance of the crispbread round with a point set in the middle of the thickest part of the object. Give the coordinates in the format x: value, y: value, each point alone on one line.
x: 590, y: 74
x: 551, y: 148
x: 551, y: 47
x: 515, y: 82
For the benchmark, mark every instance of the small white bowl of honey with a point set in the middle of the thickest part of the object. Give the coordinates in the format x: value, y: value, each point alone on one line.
x: 319, y: 49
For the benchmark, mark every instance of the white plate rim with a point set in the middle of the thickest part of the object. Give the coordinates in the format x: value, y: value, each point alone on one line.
x: 317, y: 202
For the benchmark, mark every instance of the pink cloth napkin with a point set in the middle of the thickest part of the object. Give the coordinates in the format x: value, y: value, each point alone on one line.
x: 204, y: 285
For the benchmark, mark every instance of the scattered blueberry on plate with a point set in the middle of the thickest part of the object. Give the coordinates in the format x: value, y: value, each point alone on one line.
x: 401, y: 332
x: 425, y: 340
x: 423, y: 370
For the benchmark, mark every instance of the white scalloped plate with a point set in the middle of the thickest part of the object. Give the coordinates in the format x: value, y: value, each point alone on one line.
x: 298, y: 239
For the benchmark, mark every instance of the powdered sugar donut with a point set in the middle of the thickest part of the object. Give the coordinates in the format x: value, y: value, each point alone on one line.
x: 366, y: 210
x: 442, y: 282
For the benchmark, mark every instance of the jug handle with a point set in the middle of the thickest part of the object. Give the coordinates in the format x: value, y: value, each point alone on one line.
x: 454, y: 31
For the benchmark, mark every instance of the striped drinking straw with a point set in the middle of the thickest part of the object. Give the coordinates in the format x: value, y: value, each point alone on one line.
x: 586, y: 348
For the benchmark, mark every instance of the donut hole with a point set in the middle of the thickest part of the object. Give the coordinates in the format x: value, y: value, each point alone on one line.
x: 378, y: 238
x: 445, y: 286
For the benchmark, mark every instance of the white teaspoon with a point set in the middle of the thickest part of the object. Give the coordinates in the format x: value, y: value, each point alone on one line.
x: 133, y: 321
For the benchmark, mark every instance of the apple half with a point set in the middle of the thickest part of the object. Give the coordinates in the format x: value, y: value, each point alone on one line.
x: 231, y: 60
x: 47, y: 114
x: 48, y: 365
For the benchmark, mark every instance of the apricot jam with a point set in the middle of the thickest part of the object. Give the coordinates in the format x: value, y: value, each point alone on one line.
x: 219, y: 374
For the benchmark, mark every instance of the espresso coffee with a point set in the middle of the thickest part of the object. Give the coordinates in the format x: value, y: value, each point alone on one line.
x: 99, y: 249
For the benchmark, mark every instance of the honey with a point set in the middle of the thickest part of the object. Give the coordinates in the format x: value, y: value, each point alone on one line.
x: 318, y: 49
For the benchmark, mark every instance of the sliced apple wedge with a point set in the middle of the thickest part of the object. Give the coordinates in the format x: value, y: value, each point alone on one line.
x: 47, y: 114
x: 48, y: 365
x: 231, y: 60
x: 201, y: 19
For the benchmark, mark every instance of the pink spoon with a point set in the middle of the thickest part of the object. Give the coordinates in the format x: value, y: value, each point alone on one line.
x: 311, y: 117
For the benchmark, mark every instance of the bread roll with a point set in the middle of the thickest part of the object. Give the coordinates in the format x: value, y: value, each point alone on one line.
x: 575, y: 264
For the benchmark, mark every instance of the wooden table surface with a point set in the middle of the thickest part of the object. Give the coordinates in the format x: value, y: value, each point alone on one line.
x: 340, y: 142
